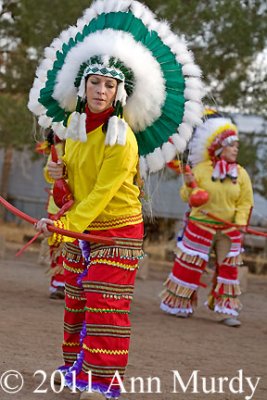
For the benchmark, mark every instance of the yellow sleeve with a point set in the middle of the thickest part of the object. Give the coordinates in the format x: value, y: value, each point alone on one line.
x: 185, y: 192
x: 245, y: 201
x: 119, y: 162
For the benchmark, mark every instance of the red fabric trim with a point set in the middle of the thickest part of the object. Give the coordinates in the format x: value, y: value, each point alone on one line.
x: 94, y: 120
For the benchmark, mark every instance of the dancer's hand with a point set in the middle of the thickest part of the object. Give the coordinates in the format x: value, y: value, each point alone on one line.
x: 41, y: 226
x: 55, y: 169
x: 189, y: 178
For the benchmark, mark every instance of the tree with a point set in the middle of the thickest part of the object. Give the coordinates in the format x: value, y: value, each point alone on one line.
x: 227, y: 38
x: 25, y: 31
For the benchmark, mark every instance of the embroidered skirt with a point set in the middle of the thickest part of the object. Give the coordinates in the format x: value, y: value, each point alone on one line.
x: 193, y: 251
x: 98, y: 297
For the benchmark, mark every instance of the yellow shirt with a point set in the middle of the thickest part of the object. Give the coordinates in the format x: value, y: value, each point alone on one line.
x: 101, y: 179
x: 229, y: 201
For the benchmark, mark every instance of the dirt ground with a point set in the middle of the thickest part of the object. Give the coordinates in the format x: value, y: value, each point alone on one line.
x: 31, y: 334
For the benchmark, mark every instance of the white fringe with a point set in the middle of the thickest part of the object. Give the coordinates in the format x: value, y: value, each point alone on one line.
x: 224, y: 310
x: 182, y: 283
x: 228, y: 281
x: 192, y: 252
x: 176, y: 310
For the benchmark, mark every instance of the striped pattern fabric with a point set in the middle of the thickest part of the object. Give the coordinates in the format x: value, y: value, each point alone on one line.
x: 179, y: 294
x: 96, y: 324
x: 116, y: 222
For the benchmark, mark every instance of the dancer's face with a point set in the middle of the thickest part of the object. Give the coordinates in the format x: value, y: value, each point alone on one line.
x: 230, y: 152
x: 100, y: 92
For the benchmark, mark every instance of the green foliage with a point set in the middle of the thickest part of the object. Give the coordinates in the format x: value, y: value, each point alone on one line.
x: 15, y: 122
x: 226, y: 38
x: 27, y: 27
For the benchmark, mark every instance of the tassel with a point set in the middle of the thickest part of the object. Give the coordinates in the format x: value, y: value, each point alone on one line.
x: 122, y: 132
x: 82, y: 128
x: 121, y: 95
x: 112, y: 131
x: 72, y: 131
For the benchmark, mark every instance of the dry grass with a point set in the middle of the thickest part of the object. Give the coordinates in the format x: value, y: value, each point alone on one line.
x: 14, y: 233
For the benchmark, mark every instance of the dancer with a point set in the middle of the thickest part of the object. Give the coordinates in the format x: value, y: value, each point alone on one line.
x: 112, y: 63
x: 227, y: 194
x: 56, y: 270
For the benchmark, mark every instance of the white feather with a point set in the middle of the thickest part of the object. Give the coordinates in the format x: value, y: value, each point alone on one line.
x: 65, y: 36
x: 36, y: 108
x: 59, y: 129
x: 47, y: 64
x: 82, y: 91
x: 192, y: 70
x: 33, y: 104
x: 38, y: 84
x: 73, y: 30
x: 191, y: 118
x: 143, y: 167
x: 195, y: 107
x: 45, y: 121
x: 185, y: 131
x: 146, y: 15
x: 57, y: 44
x: 194, y: 83
x: 170, y: 40
x: 116, y: 6
x: 185, y: 58
x: 179, y: 47
x: 155, y: 160
x: 202, y: 133
x: 179, y: 142
x: 168, y: 151
x: 144, y: 105
x: 153, y: 25
x: 88, y: 15
x: 121, y: 94
x: 194, y: 94
x: 164, y: 30
x: 41, y: 73
x: 137, y: 9
x: 50, y: 53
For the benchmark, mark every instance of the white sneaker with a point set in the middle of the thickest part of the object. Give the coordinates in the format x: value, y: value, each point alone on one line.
x: 182, y: 315
x: 232, y: 322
